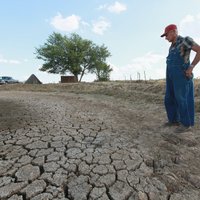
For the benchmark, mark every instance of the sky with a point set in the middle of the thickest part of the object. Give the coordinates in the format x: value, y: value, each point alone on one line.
x: 130, y: 30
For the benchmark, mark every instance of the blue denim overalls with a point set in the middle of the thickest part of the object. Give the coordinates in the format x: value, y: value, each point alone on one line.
x: 179, y: 97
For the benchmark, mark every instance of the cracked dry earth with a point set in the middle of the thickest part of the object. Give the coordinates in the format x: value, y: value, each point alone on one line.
x: 88, y: 147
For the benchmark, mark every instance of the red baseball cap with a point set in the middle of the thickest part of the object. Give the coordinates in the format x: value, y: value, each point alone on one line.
x: 168, y: 28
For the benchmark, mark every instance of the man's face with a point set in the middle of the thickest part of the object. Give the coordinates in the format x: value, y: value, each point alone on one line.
x: 170, y: 36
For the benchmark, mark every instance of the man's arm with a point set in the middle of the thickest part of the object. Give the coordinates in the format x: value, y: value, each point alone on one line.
x: 195, y: 61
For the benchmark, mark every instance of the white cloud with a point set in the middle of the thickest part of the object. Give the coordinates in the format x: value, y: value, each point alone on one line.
x: 147, y: 61
x: 25, y: 60
x: 186, y: 19
x: 14, y: 62
x: 117, y: 7
x: 153, y: 65
x: 85, y: 24
x: 114, y: 8
x: 100, y: 26
x: 7, y: 61
x: 101, y: 7
x: 68, y: 24
x: 190, y: 26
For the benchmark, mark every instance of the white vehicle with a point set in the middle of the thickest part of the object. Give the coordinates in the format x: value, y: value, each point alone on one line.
x: 2, y: 81
x: 8, y: 79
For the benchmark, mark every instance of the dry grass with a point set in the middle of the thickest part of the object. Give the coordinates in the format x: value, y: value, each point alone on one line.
x: 147, y: 91
x: 152, y: 86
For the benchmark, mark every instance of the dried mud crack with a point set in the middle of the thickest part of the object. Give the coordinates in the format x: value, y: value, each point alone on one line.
x: 93, y: 147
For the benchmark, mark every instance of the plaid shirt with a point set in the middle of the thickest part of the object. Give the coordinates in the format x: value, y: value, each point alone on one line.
x: 184, y: 46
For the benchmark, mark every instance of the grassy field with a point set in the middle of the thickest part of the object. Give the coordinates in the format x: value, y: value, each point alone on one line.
x: 145, y: 91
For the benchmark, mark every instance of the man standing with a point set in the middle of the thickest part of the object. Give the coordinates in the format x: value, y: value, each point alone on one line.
x: 179, y: 96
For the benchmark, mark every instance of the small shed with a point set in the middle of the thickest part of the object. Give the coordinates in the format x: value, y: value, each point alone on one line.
x: 33, y: 80
x: 68, y: 79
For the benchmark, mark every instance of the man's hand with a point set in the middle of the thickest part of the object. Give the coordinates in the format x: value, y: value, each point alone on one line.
x: 188, y: 72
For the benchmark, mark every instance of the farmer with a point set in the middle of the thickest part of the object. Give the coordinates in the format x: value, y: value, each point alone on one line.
x: 179, y: 96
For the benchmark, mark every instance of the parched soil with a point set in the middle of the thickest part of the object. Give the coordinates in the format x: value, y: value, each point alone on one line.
x: 88, y: 142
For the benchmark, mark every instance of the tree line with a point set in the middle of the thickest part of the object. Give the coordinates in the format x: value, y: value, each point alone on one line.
x: 75, y: 55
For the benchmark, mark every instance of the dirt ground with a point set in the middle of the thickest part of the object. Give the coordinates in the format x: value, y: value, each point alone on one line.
x: 80, y: 141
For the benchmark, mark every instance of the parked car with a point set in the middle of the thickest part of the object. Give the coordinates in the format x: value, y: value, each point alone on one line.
x: 9, y: 79
x: 2, y: 81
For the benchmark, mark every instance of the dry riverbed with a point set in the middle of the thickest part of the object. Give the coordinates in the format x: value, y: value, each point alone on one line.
x: 94, y: 141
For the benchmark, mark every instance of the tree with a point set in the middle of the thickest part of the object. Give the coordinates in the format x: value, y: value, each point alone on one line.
x: 53, y: 53
x: 102, y: 72
x: 73, y: 54
x: 101, y: 69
